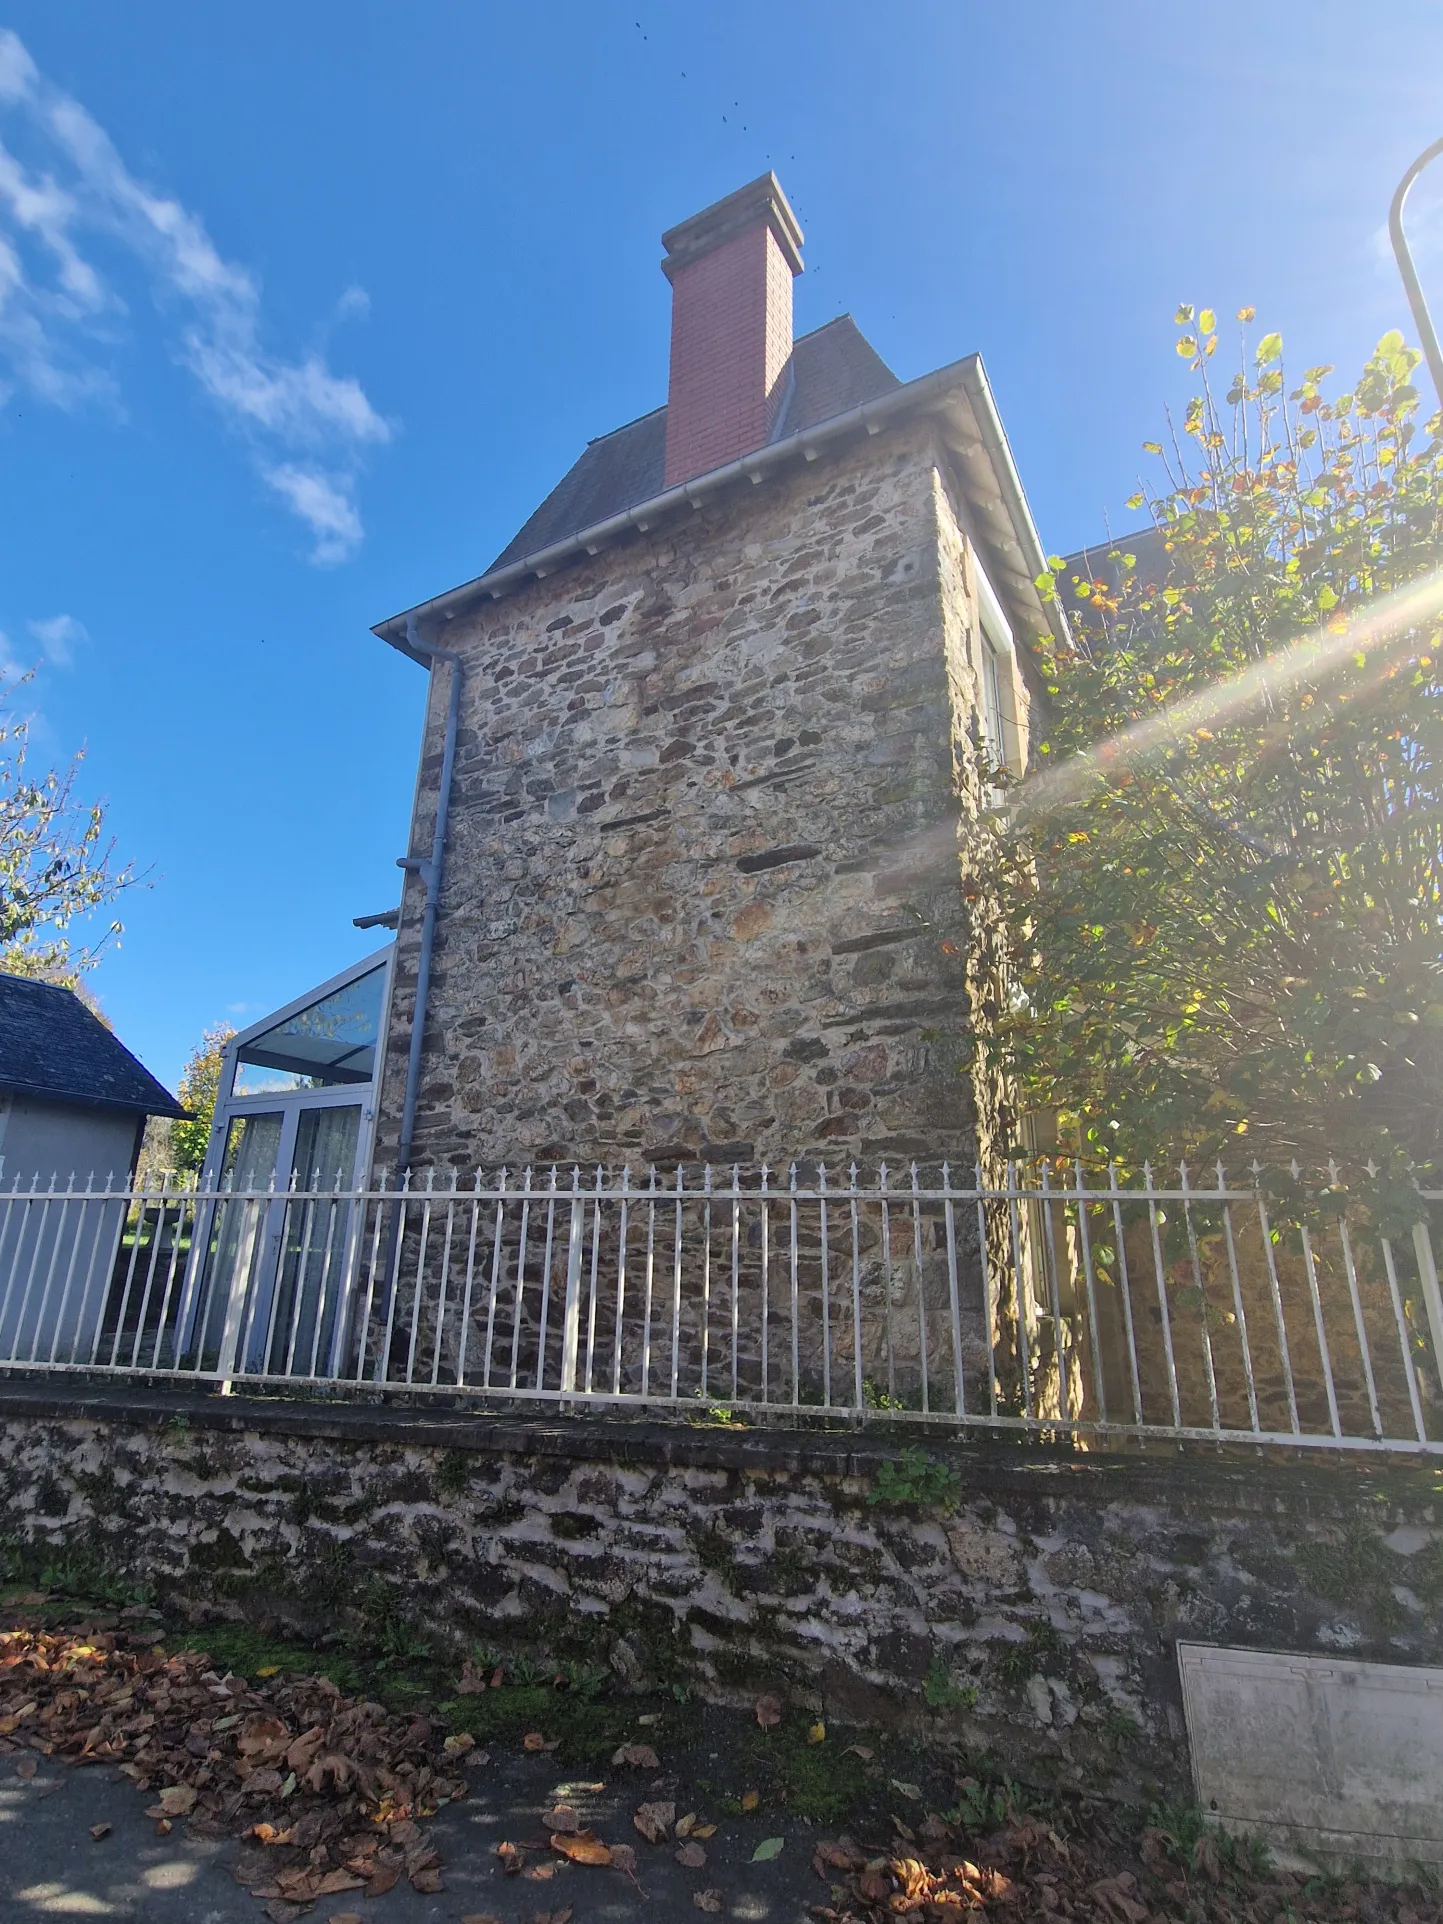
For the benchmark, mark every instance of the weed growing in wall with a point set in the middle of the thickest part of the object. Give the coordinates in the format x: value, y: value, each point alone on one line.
x: 453, y: 1473
x: 940, y: 1692
x: 916, y: 1482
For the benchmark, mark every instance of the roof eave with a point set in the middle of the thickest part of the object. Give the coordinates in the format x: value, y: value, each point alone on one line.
x: 167, y: 1107
x: 870, y: 416
x: 966, y: 378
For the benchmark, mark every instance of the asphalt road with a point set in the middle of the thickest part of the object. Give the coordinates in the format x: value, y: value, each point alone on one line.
x: 52, y: 1868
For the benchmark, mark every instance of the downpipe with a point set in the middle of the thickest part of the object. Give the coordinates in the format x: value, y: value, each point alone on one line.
x: 430, y: 872
x: 430, y: 869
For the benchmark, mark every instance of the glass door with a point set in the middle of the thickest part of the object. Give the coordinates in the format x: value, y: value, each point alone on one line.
x: 315, y: 1243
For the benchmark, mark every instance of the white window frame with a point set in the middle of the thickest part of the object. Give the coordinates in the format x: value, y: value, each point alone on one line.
x: 291, y: 1101
x: 996, y: 669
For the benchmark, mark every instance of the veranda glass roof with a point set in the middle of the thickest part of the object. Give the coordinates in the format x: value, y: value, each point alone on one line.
x: 328, y: 1044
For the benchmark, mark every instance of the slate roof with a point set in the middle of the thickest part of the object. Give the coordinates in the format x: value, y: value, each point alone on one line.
x: 1147, y: 545
x: 832, y: 369
x: 52, y: 1046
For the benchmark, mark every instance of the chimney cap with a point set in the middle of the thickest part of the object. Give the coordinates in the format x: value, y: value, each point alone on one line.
x: 760, y: 200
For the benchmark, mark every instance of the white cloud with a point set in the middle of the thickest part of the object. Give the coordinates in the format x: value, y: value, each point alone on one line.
x: 307, y: 426
x: 325, y: 508
x: 59, y: 635
x: 17, y: 69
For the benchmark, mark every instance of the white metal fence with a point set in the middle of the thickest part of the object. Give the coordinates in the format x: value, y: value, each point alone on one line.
x: 1056, y: 1300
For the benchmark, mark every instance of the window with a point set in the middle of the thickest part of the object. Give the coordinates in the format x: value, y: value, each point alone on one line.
x: 992, y: 733
x: 326, y: 1046
x: 994, y: 674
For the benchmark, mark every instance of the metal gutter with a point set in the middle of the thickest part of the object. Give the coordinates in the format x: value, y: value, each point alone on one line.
x: 984, y: 407
x: 965, y: 374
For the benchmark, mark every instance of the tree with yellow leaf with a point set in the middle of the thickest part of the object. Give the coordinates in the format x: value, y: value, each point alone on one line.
x: 1226, y: 882
x: 199, y: 1091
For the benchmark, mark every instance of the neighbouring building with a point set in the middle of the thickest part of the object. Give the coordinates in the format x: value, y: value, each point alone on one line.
x: 73, y: 1108
x: 73, y: 1099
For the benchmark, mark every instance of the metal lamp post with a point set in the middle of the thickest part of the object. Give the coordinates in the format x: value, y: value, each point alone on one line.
x: 1422, y: 318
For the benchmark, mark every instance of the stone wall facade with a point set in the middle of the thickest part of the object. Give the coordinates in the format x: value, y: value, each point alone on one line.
x: 708, y: 822
x: 1026, y: 1609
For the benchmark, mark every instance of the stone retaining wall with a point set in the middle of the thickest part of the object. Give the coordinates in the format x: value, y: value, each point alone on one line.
x: 1024, y: 1607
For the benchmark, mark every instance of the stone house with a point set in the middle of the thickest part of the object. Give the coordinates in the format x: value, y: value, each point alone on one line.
x: 700, y: 754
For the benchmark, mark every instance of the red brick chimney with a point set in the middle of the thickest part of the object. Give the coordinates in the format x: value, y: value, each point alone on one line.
x: 730, y: 269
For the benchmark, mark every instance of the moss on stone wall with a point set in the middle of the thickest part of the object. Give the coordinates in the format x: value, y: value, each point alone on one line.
x: 1047, y: 1600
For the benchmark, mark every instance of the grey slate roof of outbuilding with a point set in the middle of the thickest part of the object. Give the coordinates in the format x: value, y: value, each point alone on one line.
x: 832, y: 369
x: 52, y: 1046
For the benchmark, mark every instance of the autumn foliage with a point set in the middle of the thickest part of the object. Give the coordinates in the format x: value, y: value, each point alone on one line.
x: 1225, y: 882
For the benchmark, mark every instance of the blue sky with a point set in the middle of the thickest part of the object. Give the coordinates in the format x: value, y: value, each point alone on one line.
x: 303, y: 307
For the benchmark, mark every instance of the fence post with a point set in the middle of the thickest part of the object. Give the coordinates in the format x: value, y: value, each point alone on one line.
x: 1428, y: 1275
x: 239, y: 1285
x: 571, y: 1319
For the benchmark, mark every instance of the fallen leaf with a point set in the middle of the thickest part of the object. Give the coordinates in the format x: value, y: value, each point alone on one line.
x: 270, y: 1670
x: 686, y: 1825
x: 472, y: 1680
x: 563, y: 1817
x: 302, y: 1753
x: 552, y: 1917
x: 637, y: 1757
x: 280, y: 1912
x: 97, y: 1831
x: 769, y: 1711
x: 268, y: 1834
x: 511, y: 1858
x: 428, y: 1882
x: 345, y: 1917
x: 475, y: 1759
x: 539, y: 1873
x: 860, y: 1750
x: 1205, y: 1857
x: 329, y: 1767
x: 704, y: 1830
x: 750, y: 1799
x: 691, y: 1857
x: 385, y: 1877
x: 177, y: 1800
x: 582, y: 1847
x: 710, y: 1901
x: 164, y: 1827
x: 458, y: 1745
x: 654, y: 1821
x: 261, y: 1734
x: 623, y: 1858
x: 769, y: 1848
x: 836, y: 1857
x: 1114, y: 1894
x: 650, y: 1717
x: 533, y: 1740
x: 907, y: 1790
x: 817, y: 1734
x: 26, y: 1767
